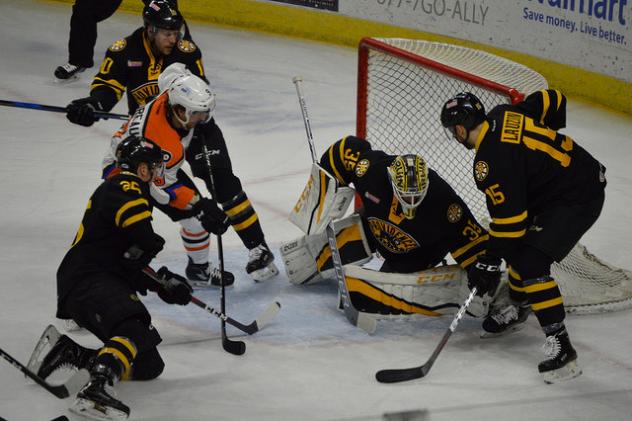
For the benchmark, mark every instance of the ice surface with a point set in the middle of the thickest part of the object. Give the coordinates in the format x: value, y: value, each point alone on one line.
x: 309, y: 363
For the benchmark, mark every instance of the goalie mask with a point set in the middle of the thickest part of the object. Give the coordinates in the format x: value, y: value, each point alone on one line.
x: 409, y: 178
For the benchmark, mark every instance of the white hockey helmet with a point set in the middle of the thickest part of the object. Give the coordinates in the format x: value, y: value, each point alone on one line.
x: 409, y: 178
x: 171, y: 73
x: 193, y: 94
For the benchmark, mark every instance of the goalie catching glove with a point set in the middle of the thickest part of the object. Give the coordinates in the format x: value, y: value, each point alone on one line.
x: 213, y: 219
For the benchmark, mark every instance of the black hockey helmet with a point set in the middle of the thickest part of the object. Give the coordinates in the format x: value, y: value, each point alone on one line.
x: 464, y: 109
x: 133, y: 151
x: 162, y: 14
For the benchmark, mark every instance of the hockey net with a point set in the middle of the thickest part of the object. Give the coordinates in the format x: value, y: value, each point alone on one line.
x: 402, y: 85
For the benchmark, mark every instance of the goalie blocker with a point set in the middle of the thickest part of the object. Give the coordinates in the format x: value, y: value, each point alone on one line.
x: 322, y: 201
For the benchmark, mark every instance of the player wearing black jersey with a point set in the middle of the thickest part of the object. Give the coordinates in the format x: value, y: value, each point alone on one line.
x: 86, y: 14
x: 543, y: 192
x: 411, y: 215
x: 133, y: 65
x: 99, y: 278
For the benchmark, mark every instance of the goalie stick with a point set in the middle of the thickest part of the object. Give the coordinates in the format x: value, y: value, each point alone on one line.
x: 251, y: 328
x: 361, y: 320
x: 71, y: 386
x: 404, y: 374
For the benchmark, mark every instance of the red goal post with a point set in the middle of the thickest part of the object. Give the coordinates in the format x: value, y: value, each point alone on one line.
x: 402, y: 85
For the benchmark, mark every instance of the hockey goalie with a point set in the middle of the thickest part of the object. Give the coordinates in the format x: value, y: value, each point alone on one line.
x: 411, y: 218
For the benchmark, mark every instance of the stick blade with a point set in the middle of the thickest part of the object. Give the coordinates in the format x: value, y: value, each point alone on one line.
x: 400, y: 374
x: 268, y: 315
x: 234, y: 347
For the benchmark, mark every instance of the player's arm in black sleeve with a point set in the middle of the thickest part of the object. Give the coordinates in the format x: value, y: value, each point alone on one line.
x: 131, y: 213
x: 548, y: 107
x: 191, y: 56
x: 109, y: 85
x: 340, y: 159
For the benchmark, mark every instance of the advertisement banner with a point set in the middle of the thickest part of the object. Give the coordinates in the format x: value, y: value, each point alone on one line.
x: 595, y: 35
x: 316, y: 4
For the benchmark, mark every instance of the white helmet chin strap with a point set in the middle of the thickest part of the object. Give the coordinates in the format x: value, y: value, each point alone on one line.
x: 187, y: 113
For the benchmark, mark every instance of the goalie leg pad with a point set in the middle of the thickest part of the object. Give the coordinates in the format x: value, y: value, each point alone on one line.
x: 308, y: 259
x: 433, y: 292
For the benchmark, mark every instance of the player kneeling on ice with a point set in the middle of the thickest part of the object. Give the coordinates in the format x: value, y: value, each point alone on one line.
x: 543, y: 192
x: 410, y: 216
x: 99, y: 278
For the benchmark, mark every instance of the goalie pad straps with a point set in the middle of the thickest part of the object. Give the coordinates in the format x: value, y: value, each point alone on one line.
x: 431, y: 292
x: 322, y: 201
x: 308, y: 259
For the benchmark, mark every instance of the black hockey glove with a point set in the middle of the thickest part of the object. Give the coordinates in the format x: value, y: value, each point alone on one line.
x: 135, y: 258
x: 81, y: 111
x: 174, y: 289
x: 484, y: 274
x: 213, y: 219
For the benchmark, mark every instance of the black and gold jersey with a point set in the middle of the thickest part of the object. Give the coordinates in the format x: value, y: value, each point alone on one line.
x: 130, y: 65
x: 525, y: 166
x: 117, y: 216
x: 442, y: 224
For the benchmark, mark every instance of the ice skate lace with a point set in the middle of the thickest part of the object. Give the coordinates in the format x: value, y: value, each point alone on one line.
x: 256, y: 253
x: 69, y: 67
x: 216, y: 274
x: 506, y: 315
x: 551, y: 346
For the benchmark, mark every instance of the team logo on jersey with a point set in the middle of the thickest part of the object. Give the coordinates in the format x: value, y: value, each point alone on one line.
x: 455, y: 212
x: 391, y: 236
x: 145, y: 93
x: 481, y: 170
x: 362, y: 167
x: 186, y: 46
x: 118, y: 45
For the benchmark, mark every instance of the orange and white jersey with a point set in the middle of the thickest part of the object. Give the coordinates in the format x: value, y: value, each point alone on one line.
x: 152, y: 122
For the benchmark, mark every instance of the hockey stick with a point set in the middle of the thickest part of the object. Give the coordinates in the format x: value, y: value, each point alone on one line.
x: 234, y: 347
x: 71, y: 386
x: 54, y: 108
x: 405, y: 374
x: 361, y: 320
x: 250, y: 329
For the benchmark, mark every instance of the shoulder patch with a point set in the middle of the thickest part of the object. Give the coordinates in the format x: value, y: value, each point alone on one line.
x: 186, y: 46
x: 362, y: 167
x: 481, y: 170
x: 118, y: 45
x: 455, y: 212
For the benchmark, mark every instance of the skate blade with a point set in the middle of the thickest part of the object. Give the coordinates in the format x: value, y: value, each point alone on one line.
x: 207, y: 285
x: 265, y: 273
x: 569, y: 371
x: 49, y: 337
x: 71, y: 79
x: 488, y: 335
x: 89, y: 409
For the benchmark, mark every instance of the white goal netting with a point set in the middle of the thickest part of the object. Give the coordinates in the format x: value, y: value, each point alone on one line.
x: 402, y: 85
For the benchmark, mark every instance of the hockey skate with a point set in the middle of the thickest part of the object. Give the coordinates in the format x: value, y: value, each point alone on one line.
x: 68, y: 72
x: 65, y: 353
x: 200, y: 275
x: 561, y: 363
x: 97, y: 399
x: 261, y: 263
x: 506, y: 319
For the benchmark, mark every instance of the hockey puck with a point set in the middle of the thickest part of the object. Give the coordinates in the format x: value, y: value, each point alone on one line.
x: 60, y: 418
